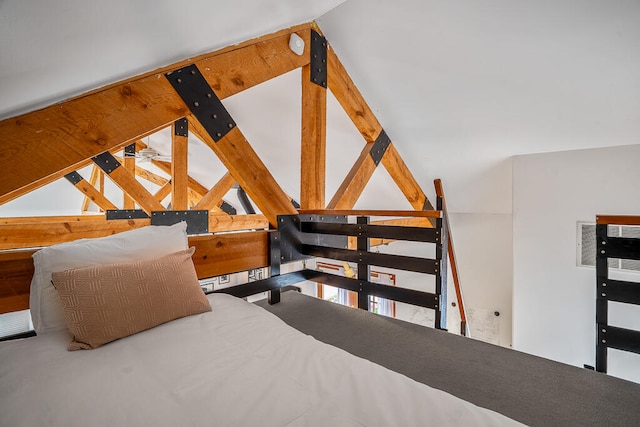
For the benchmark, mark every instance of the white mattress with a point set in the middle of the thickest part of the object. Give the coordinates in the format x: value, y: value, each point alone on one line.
x: 235, y: 366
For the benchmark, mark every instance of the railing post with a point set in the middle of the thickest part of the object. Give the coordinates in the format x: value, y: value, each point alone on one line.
x: 441, y: 274
x: 362, y: 245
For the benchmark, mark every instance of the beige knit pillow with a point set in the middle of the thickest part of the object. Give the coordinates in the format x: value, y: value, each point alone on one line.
x: 105, y: 302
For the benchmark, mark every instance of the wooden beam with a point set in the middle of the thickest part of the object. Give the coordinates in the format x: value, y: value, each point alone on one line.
x: 313, y: 160
x: 213, y: 198
x: 230, y: 252
x: 403, y: 178
x: 51, y: 219
x: 130, y: 185
x: 163, y: 192
x: 150, y: 176
x: 192, y: 183
x: 246, y: 167
x: 94, y: 195
x: 350, y: 98
x: 93, y: 180
x: 223, y: 222
x: 37, y: 184
x: 14, y: 236
x: 41, y: 146
x: 356, y: 180
x: 179, y: 168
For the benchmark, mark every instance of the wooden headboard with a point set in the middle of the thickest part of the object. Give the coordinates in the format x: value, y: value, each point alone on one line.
x: 215, y: 255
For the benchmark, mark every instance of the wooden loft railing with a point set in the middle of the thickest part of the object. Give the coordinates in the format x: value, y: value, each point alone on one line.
x: 620, y: 291
x: 452, y: 258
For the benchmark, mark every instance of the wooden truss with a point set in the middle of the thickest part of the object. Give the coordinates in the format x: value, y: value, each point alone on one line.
x: 45, y: 145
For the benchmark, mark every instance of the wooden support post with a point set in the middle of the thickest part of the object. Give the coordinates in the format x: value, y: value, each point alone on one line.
x: 179, y: 166
x: 313, y: 161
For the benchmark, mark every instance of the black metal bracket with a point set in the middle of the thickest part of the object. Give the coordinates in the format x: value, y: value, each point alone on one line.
x: 106, y: 162
x: 244, y: 201
x: 318, y: 62
x: 181, y: 127
x: 203, y: 102
x: 197, y: 220
x: 228, y: 208
x: 380, y: 147
x: 130, y: 150
x: 292, y: 239
x: 126, y: 214
x: 74, y: 177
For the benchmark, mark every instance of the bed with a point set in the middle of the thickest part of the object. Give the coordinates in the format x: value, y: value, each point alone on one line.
x: 301, y: 361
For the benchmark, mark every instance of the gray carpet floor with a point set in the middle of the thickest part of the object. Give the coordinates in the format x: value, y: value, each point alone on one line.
x: 529, y: 389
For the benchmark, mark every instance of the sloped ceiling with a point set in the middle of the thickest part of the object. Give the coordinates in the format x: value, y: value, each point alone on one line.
x: 459, y: 86
x: 50, y: 51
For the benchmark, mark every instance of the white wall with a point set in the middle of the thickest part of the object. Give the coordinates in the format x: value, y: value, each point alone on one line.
x: 553, y: 300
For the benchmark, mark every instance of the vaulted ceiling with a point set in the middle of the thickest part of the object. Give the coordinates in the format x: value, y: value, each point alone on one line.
x: 459, y: 86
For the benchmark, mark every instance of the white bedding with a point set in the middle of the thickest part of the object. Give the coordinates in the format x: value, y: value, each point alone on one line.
x: 235, y: 366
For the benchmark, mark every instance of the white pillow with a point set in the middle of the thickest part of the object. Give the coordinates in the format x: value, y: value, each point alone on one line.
x: 129, y: 246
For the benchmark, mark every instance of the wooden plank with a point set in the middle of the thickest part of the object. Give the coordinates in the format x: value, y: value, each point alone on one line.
x: 350, y: 98
x: 618, y: 219
x: 51, y: 219
x: 223, y: 222
x: 313, y: 161
x: 246, y: 167
x: 193, y: 184
x: 404, y: 179
x: 41, y: 146
x: 130, y: 185
x: 214, y: 196
x: 94, y: 195
x: 356, y: 180
x: 179, y: 168
x: 15, y: 236
x: 230, y: 252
